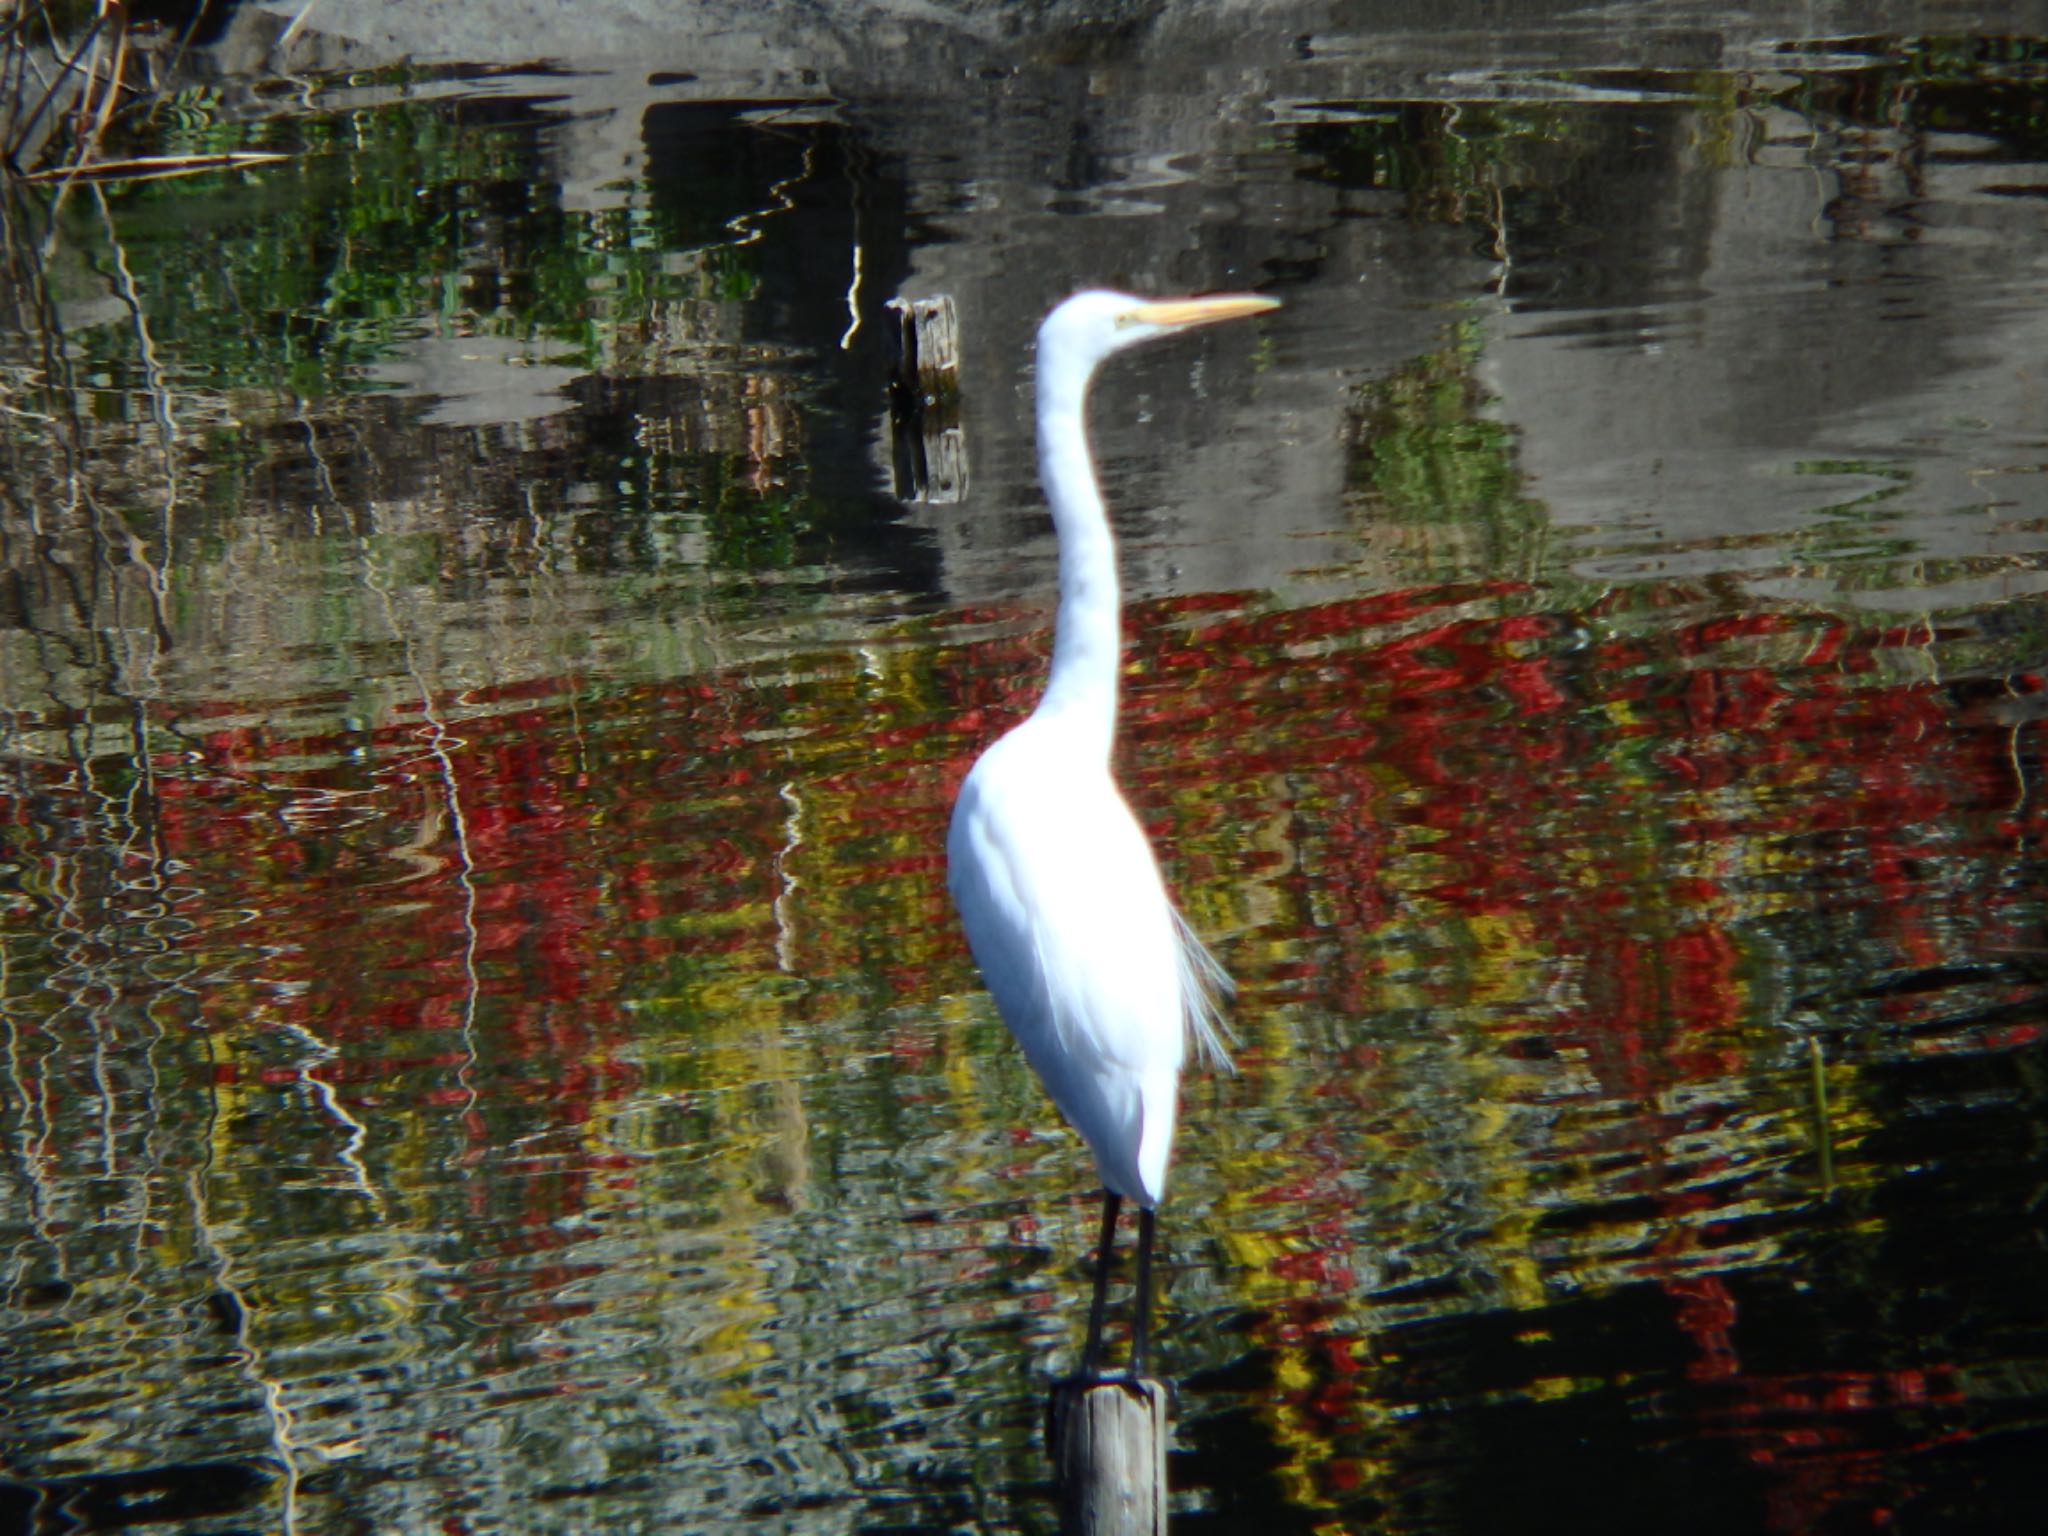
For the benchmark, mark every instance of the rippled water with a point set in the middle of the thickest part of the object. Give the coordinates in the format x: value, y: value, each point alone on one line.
x: 486, y: 1045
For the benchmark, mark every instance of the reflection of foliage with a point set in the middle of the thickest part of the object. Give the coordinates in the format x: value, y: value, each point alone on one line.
x: 555, y: 1065
x: 1427, y: 451
x: 1527, y: 878
x: 386, y: 219
x: 1446, y: 163
x: 1464, y: 163
x: 753, y: 532
x: 175, y: 349
x: 1429, y: 457
x: 661, y: 1133
x: 1989, y: 86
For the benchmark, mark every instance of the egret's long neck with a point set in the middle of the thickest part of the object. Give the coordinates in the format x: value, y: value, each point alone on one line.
x: 1087, y: 635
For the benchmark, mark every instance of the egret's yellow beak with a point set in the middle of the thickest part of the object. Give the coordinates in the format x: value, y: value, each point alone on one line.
x: 1179, y: 314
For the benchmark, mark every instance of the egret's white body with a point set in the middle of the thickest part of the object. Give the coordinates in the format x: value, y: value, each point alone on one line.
x: 1057, y: 887
x: 1066, y: 913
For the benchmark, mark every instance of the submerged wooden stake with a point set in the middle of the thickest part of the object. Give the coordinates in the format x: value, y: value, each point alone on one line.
x: 1109, y: 1456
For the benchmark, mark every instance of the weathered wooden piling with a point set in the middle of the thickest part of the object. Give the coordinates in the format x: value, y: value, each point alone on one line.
x: 928, y: 447
x: 1108, y: 1443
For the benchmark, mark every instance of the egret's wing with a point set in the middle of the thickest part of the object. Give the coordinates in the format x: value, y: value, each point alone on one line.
x: 997, y: 901
x: 1090, y: 967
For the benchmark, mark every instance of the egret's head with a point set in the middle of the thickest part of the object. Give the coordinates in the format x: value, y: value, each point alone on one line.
x: 1090, y: 326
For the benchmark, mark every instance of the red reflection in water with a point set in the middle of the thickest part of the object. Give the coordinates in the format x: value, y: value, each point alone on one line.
x: 1755, y: 785
x: 466, y: 911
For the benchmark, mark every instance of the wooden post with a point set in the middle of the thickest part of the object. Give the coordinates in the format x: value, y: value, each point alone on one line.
x: 928, y: 446
x: 1109, y: 1456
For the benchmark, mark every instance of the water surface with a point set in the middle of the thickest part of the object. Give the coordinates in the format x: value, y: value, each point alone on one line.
x: 486, y: 1046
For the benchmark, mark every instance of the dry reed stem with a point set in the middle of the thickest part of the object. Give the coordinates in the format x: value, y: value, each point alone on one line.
x: 156, y: 167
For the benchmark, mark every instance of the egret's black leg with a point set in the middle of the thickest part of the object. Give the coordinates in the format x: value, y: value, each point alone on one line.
x: 1091, y: 1353
x: 1141, y: 1314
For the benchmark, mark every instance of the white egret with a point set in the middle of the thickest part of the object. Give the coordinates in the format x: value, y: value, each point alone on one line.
x: 1094, y: 971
